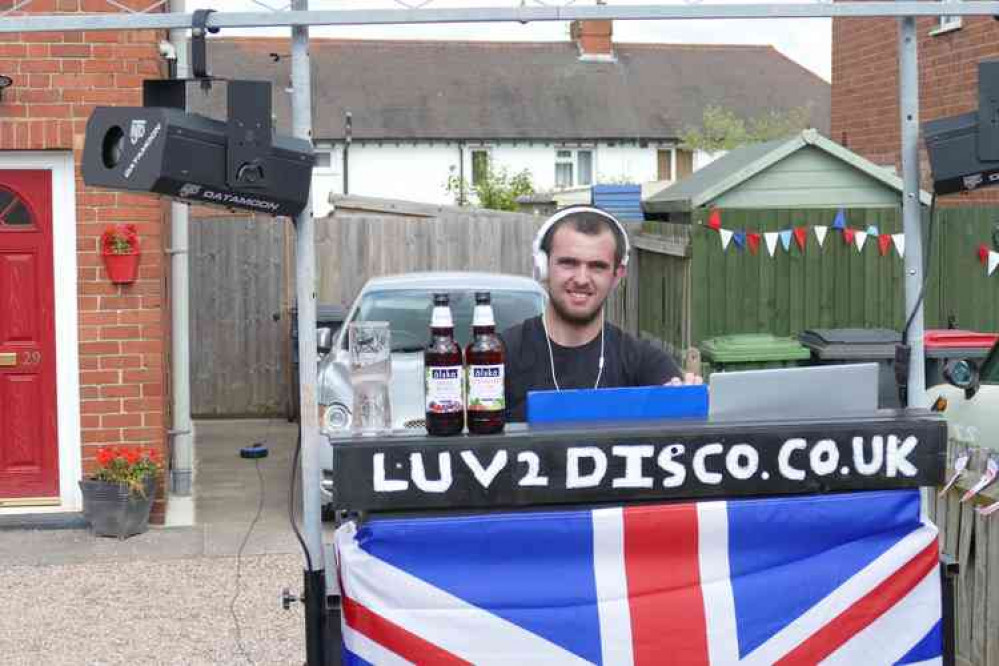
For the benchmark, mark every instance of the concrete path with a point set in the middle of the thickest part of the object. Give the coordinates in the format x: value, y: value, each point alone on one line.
x: 167, y: 596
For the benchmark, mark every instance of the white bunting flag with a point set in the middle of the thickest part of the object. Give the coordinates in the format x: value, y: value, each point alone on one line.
x: 993, y: 262
x: 860, y: 237
x: 771, y: 238
x: 820, y: 233
x: 726, y: 236
x: 899, y: 241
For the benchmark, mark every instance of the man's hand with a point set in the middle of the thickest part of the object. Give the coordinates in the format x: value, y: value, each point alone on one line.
x: 688, y: 379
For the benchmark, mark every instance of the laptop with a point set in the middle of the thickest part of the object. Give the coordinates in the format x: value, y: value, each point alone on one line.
x: 822, y: 391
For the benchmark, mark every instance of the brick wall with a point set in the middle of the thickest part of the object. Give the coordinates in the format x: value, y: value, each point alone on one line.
x: 865, y: 111
x: 59, y: 77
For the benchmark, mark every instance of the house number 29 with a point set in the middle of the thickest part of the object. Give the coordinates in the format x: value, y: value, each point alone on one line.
x: 31, y: 358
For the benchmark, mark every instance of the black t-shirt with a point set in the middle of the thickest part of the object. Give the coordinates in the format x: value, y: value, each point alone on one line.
x: 627, y: 362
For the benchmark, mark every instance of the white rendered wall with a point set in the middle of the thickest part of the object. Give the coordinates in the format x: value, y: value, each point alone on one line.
x: 419, y: 172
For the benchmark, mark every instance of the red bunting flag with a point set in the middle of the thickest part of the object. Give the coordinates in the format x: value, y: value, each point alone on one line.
x: 848, y: 235
x: 714, y: 219
x: 983, y: 253
x: 754, y: 242
x: 800, y: 235
x: 884, y: 242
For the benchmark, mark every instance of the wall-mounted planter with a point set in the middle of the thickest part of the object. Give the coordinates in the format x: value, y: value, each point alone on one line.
x: 122, y: 268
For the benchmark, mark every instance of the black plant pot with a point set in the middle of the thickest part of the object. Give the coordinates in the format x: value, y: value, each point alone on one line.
x: 113, y: 511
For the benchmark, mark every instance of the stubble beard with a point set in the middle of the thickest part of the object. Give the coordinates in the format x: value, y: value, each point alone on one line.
x: 576, y: 319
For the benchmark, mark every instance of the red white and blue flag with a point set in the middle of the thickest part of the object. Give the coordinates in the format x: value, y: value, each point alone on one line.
x: 833, y: 579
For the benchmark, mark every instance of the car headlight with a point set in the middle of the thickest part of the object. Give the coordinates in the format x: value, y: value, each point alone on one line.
x: 334, y: 419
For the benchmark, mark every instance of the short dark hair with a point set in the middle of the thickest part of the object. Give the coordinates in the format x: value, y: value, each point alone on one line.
x: 591, y: 224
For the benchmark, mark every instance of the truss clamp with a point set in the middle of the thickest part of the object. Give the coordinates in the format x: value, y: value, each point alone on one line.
x: 199, y: 58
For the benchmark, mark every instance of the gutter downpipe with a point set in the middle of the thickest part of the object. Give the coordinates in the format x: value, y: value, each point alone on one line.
x: 182, y: 430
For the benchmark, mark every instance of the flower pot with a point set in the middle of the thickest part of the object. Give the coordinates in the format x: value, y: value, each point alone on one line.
x: 112, y: 510
x: 122, y: 268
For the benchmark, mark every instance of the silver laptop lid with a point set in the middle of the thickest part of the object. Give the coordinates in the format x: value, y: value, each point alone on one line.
x: 823, y: 391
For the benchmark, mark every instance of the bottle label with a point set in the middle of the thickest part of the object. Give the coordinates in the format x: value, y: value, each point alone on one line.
x: 485, y: 388
x: 445, y: 389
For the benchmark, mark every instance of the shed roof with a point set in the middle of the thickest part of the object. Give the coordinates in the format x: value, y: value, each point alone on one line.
x: 738, y: 166
x: 430, y: 90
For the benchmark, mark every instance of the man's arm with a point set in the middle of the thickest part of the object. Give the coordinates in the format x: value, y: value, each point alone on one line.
x: 655, y: 366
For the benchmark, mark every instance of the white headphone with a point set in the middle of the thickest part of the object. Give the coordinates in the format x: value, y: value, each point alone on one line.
x: 541, y: 257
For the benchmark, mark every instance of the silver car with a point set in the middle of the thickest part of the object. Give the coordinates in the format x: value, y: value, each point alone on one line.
x: 405, y: 301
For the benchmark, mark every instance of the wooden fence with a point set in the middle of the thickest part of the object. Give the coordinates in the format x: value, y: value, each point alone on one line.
x: 691, y: 292
x: 973, y: 540
x: 239, y: 321
x: 243, y: 284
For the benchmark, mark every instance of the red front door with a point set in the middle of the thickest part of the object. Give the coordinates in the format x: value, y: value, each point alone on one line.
x: 29, y: 448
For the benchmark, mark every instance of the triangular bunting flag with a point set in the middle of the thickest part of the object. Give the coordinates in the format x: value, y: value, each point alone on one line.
x: 840, y: 221
x: 771, y: 238
x: 983, y: 253
x: 740, y: 238
x: 860, y: 237
x: 820, y: 233
x: 899, y: 241
x: 884, y: 242
x: 848, y: 235
x: 800, y: 235
x: 785, y: 239
x: 726, y: 236
x: 872, y: 231
x: 993, y: 262
x: 754, y: 242
x: 714, y: 219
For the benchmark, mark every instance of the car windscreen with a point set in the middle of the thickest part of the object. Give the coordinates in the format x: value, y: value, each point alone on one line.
x: 989, y: 373
x: 408, y: 313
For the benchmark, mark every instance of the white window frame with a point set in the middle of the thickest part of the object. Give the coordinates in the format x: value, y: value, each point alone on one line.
x: 573, y: 161
x: 947, y: 23
x: 330, y: 150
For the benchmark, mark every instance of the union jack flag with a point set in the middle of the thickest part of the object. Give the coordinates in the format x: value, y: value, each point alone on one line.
x: 833, y: 579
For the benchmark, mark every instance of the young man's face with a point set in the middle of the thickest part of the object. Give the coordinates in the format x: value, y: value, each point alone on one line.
x: 581, y: 273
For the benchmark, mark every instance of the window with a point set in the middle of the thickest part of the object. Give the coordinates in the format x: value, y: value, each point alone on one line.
x: 480, y: 166
x: 665, y: 160
x: 573, y: 166
x: 13, y: 211
x: 324, y: 158
x: 947, y: 23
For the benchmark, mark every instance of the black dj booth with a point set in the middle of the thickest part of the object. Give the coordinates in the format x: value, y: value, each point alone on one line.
x: 787, y: 540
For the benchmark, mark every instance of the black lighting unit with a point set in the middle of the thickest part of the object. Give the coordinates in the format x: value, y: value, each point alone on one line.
x: 160, y: 148
x: 964, y: 149
x: 5, y: 82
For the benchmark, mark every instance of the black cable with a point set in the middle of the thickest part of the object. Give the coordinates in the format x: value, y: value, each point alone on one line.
x: 291, y: 501
x: 239, y: 561
x: 927, y: 253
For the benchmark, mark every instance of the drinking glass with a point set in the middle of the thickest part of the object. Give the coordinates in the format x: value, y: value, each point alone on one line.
x: 370, y: 348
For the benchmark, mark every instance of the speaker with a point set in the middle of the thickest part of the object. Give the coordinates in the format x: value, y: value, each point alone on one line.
x: 187, y: 157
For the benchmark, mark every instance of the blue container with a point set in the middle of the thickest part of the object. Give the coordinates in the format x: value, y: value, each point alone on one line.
x: 639, y: 403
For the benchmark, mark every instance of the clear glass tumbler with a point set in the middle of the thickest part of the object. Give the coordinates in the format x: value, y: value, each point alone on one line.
x: 370, y: 348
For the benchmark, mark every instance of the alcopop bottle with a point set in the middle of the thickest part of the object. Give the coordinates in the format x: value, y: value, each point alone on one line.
x: 484, y: 356
x: 445, y: 377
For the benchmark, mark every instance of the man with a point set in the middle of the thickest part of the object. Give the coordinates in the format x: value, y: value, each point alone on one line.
x: 580, y: 256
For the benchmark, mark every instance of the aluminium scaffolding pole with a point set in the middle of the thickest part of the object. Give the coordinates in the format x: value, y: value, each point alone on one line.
x: 521, y: 14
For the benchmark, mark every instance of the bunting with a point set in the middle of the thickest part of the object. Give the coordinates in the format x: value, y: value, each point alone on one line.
x: 747, y: 239
x: 771, y: 238
x: 993, y: 262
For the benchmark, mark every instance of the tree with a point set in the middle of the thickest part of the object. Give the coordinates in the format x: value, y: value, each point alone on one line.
x: 721, y: 129
x: 496, y: 189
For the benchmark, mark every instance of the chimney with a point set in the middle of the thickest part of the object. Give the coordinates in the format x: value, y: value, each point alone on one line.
x: 593, y: 38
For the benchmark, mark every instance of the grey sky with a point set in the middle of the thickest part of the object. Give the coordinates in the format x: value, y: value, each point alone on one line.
x: 807, y: 41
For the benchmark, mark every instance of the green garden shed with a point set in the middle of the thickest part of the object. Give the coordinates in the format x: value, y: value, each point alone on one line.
x: 786, y: 235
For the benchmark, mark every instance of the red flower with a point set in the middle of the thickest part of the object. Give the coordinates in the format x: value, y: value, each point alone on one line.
x: 120, y: 239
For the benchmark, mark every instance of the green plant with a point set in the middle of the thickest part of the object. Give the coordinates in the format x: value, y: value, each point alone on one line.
x: 127, y: 465
x: 120, y: 239
x: 722, y: 129
x: 496, y: 189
